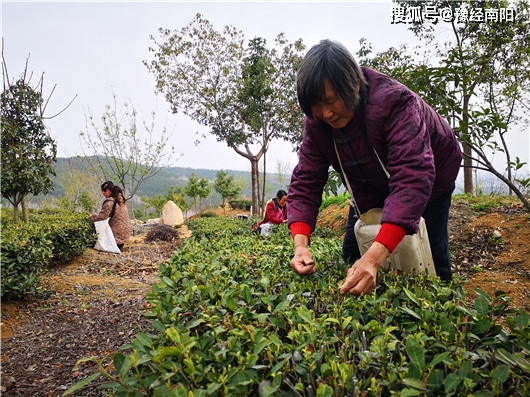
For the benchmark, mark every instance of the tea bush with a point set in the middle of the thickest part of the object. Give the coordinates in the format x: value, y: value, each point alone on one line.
x: 232, y: 319
x: 242, y: 204
x: 340, y: 199
x: 27, y: 250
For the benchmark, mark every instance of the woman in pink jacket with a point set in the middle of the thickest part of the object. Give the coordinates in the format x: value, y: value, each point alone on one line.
x: 275, y: 212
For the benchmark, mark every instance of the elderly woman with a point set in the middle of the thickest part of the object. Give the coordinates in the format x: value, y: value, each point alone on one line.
x: 365, y: 124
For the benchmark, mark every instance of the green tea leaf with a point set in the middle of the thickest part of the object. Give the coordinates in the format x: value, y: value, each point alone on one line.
x: 522, y: 319
x: 451, y: 382
x: 415, y: 383
x: 122, y: 364
x: 410, y: 312
x: 482, y: 306
x: 410, y: 392
x: 411, y: 296
x: 435, y: 379
x: 305, y: 315
x: 438, y: 359
x: 481, y: 327
x: 415, y: 352
x: 324, y: 390
x: 501, y: 373
x: 81, y: 384
x: 277, y: 367
x: 194, y: 323
x: 523, y: 363
x: 262, y: 344
x: 505, y: 356
x: 465, y: 370
x: 243, y: 378
x: 247, y: 296
x: 142, y: 341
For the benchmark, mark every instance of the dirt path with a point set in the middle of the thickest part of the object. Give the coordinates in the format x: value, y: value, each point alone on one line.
x: 95, y: 304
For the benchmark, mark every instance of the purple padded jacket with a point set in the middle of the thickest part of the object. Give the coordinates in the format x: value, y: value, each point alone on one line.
x: 417, y: 146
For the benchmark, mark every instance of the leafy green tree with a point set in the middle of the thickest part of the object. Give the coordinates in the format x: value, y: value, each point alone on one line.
x: 246, y: 96
x: 485, y: 75
x: 176, y: 194
x: 28, y: 151
x: 125, y: 151
x: 227, y: 188
x: 197, y: 188
x: 155, y: 203
x: 80, y: 186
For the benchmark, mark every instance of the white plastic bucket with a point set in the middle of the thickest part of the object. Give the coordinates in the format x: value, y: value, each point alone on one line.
x: 413, y: 254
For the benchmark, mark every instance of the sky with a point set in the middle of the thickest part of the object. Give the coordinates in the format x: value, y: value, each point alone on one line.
x: 94, y: 50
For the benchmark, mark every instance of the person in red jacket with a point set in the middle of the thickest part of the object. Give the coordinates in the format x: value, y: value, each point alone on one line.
x: 275, y: 212
x: 373, y: 125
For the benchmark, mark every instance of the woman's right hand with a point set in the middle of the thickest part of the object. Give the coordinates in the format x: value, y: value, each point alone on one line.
x: 302, y: 262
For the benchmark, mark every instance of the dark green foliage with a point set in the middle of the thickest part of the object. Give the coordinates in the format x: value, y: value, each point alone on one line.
x: 243, y: 204
x: 232, y: 319
x: 27, y: 150
x: 70, y: 232
x: 208, y: 214
x: 225, y: 185
x: 28, y: 250
x: 209, y: 228
x: 340, y: 199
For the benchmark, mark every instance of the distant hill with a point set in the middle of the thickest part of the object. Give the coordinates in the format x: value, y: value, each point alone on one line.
x: 171, y: 176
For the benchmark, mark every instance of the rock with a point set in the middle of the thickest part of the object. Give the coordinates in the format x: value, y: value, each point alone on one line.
x: 172, y: 215
x: 153, y: 221
x: 497, y: 234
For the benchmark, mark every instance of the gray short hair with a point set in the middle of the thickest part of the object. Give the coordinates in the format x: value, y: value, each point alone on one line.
x: 330, y: 60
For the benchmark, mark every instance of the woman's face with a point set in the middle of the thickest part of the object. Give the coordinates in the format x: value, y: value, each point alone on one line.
x: 107, y: 193
x: 282, y: 201
x: 331, y: 108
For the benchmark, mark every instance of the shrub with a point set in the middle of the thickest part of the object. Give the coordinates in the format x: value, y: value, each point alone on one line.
x: 341, y: 199
x: 242, y: 204
x: 25, y: 253
x: 27, y: 250
x: 218, y: 228
x: 208, y: 214
x: 71, y: 234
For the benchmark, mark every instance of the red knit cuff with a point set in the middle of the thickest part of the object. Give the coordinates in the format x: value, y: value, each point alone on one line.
x: 390, y: 235
x: 300, y: 228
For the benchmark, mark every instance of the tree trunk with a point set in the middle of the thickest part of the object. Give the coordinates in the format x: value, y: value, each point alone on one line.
x: 24, y: 206
x: 15, y: 214
x: 262, y: 201
x: 254, y: 167
x: 468, y: 161
x: 468, y: 170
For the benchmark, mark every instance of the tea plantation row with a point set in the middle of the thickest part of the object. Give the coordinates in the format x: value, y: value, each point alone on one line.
x: 28, y: 250
x: 230, y: 318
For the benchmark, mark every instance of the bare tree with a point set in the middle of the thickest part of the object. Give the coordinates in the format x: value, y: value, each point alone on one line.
x: 124, y: 151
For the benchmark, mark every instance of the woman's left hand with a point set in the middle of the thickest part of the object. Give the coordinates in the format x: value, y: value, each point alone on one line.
x: 362, y: 276
x: 360, y: 279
